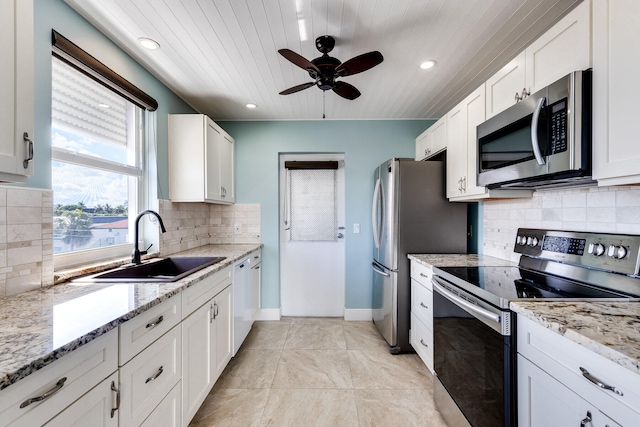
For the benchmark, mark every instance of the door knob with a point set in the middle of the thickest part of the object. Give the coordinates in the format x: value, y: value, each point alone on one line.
x: 340, y: 235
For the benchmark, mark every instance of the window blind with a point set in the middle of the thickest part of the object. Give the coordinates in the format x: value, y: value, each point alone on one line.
x: 312, y: 202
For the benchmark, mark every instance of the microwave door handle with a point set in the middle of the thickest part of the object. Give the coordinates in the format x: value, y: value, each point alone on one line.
x: 534, y: 132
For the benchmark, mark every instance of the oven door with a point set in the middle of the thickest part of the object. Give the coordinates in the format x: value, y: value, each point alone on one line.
x: 473, y: 359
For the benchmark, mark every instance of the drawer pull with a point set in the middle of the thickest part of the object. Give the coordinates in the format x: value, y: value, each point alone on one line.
x: 156, y: 375
x: 117, y: 392
x: 156, y: 323
x: 47, y: 394
x: 422, y: 305
x: 586, y: 420
x: 423, y: 343
x: 599, y: 383
x: 424, y: 275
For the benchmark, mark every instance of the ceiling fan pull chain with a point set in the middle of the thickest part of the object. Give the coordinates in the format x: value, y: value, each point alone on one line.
x: 323, y: 93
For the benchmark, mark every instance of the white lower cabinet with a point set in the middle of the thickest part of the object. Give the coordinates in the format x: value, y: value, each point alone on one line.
x: 256, y: 283
x: 558, y: 383
x: 545, y: 402
x: 422, y: 312
x: 36, y: 399
x: 147, y: 378
x: 206, y: 345
x: 168, y: 412
x: 98, y: 408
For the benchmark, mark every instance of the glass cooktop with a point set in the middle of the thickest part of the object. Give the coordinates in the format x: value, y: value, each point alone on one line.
x: 510, y: 283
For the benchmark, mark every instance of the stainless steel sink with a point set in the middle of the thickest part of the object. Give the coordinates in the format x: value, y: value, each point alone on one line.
x: 169, y: 269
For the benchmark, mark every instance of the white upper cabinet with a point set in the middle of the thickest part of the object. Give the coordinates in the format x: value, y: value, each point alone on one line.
x: 462, y: 122
x: 564, y: 48
x: 16, y: 90
x: 432, y: 141
x: 201, y: 160
x: 616, y: 32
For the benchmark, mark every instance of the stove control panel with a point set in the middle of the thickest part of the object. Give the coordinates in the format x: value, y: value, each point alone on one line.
x: 619, y: 253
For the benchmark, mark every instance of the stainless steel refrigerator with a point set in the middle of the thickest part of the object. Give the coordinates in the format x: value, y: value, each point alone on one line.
x: 410, y: 214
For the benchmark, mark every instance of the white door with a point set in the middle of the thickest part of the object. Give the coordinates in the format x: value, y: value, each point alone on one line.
x: 312, y: 234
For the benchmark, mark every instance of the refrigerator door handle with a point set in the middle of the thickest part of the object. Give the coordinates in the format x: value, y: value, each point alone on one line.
x: 380, y: 272
x: 374, y: 214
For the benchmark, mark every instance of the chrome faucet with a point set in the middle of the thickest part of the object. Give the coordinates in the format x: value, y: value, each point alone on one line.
x: 135, y: 255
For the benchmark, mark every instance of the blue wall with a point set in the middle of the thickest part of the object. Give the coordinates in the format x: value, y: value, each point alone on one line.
x: 365, y: 145
x: 55, y: 14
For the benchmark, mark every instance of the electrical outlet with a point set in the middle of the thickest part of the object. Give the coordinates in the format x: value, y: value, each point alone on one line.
x: 237, y: 229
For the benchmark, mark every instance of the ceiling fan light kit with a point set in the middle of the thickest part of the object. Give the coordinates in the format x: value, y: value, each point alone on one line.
x: 325, y: 69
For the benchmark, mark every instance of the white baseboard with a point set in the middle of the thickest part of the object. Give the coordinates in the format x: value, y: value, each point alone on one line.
x: 268, y: 314
x: 358, y: 314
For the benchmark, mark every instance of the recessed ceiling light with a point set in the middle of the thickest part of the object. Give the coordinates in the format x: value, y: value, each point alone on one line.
x: 251, y: 105
x: 102, y: 105
x: 428, y: 64
x: 148, y: 43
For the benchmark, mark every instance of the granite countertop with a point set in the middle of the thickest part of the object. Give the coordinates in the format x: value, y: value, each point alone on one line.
x: 610, y: 329
x: 39, y: 327
x: 459, y: 260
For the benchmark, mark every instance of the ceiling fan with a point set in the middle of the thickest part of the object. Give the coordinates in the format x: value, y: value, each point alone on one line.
x: 325, y: 69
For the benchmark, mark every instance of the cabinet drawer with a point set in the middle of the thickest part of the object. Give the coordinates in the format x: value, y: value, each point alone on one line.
x: 422, y: 341
x: 93, y: 409
x: 199, y: 293
x: 422, y: 274
x: 256, y: 257
x: 81, y: 370
x: 422, y: 303
x: 167, y: 413
x: 142, y: 330
x: 147, y: 378
x: 562, y: 359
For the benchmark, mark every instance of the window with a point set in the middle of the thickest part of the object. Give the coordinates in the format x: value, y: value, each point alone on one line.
x: 96, y: 167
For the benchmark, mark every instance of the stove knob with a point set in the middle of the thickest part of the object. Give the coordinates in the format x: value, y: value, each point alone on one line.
x: 521, y: 240
x: 532, y: 241
x: 596, y: 249
x: 617, y: 252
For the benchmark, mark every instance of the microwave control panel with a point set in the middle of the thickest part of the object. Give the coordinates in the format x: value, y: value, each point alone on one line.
x: 558, y: 129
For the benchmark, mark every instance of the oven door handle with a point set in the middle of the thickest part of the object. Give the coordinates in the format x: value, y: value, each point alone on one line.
x: 462, y: 303
x: 534, y: 132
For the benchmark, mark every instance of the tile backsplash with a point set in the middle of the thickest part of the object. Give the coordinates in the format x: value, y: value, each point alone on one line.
x: 190, y: 225
x: 600, y: 209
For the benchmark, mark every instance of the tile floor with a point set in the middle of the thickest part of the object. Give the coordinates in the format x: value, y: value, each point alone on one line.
x: 320, y: 372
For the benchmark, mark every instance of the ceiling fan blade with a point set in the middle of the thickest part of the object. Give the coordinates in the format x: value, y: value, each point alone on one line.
x: 359, y: 64
x: 298, y: 60
x: 298, y: 88
x: 346, y: 90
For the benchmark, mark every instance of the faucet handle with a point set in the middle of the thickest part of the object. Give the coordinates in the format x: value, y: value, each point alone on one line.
x: 146, y: 251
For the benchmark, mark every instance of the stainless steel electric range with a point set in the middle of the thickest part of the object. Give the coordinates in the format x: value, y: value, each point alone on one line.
x: 474, y: 331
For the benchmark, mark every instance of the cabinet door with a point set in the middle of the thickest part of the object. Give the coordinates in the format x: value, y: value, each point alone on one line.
x: 16, y: 89
x: 423, y: 145
x: 227, y: 146
x: 94, y: 409
x: 502, y: 87
x: 616, y: 157
x: 545, y: 402
x: 213, y: 144
x: 197, y: 359
x: 223, y: 334
x: 475, y: 106
x: 439, y: 136
x: 256, y: 281
x: 456, y: 150
x: 566, y: 47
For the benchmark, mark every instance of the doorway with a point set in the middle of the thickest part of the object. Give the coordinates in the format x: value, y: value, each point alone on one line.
x: 312, y: 235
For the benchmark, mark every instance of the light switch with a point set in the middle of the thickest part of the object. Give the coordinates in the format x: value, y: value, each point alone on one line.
x: 356, y: 228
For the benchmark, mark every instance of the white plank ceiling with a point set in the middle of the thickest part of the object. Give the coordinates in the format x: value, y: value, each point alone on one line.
x: 219, y: 55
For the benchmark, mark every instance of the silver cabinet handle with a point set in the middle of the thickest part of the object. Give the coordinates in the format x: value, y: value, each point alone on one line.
x: 525, y: 93
x: 424, y: 275
x: 29, y: 141
x: 534, y: 131
x: 47, y: 394
x: 117, y: 392
x: 423, y: 343
x: 212, y: 315
x: 518, y: 99
x: 599, y: 383
x: 422, y: 305
x: 586, y: 420
x: 156, y: 323
x: 156, y: 375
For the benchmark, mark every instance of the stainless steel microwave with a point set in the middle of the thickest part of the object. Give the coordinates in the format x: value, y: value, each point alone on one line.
x: 542, y: 141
